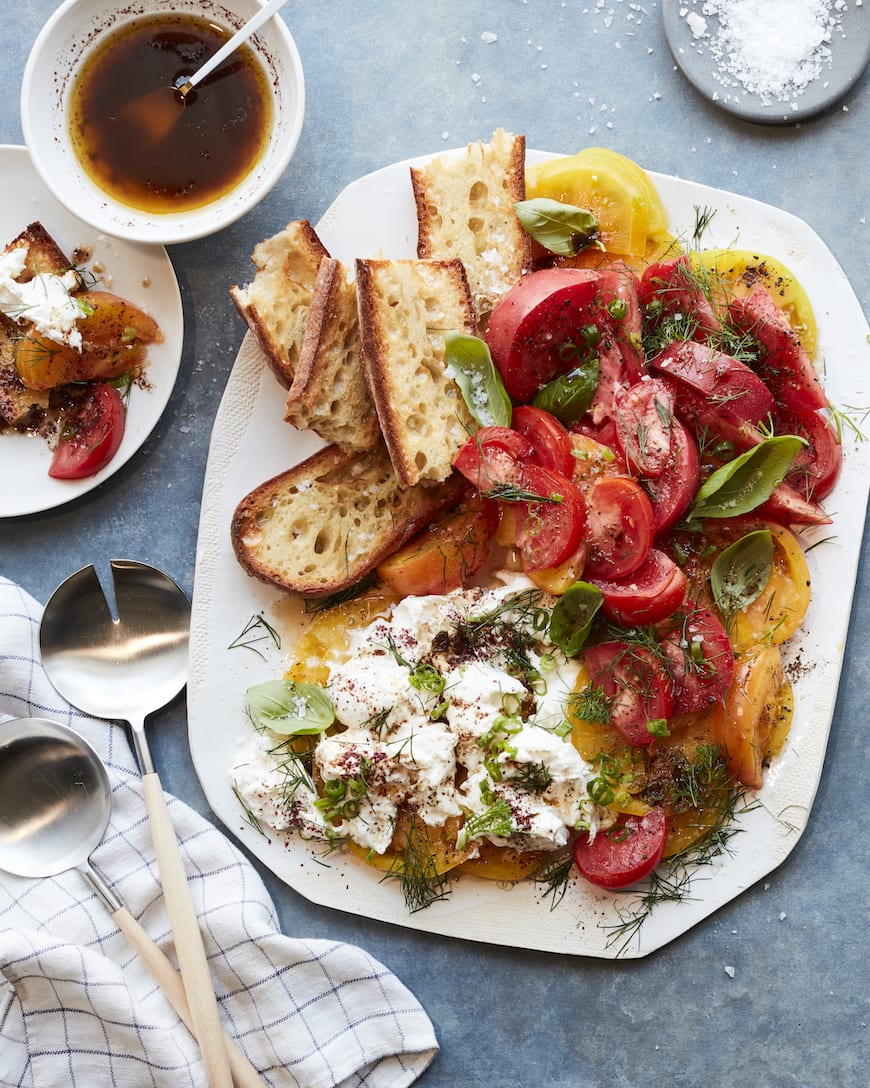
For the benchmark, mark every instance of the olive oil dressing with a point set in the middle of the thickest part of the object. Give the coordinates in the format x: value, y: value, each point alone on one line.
x: 218, y: 137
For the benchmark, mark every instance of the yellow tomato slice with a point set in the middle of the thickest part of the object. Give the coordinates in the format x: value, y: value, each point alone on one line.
x: 753, y: 707
x: 327, y: 638
x: 502, y: 864
x: 433, y: 849
x: 614, y: 188
x: 778, y: 612
x: 737, y: 271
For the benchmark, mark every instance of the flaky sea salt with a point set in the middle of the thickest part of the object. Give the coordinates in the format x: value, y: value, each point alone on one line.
x: 772, y: 48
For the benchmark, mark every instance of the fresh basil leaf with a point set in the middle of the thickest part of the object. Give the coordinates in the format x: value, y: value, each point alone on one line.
x: 471, y: 367
x: 563, y: 229
x: 568, y: 397
x: 289, y: 708
x: 572, y: 617
x: 748, y: 480
x: 740, y: 573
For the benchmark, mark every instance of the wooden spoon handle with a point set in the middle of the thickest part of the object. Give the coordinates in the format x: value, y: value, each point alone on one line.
x: 189, y: 948
x: 169, y: 980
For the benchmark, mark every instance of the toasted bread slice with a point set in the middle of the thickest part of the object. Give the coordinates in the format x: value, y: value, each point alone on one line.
x: 405, y: 308
x: 329, y: 393
x: 275, y: 303
x: 321, y: 526
x: 44, y: 256
x: 465, y: 209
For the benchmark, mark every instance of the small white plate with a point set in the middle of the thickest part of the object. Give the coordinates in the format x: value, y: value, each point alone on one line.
x: 849, y: 56
x: 144, y: 275
x: 250, y: 442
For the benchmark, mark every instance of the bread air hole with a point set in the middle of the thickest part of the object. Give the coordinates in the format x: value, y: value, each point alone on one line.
x: 478, y: 195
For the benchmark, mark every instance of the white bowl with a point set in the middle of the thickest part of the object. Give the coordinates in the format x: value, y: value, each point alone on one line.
x: 62, y: 44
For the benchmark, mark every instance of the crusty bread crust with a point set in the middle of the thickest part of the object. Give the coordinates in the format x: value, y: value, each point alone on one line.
x: 321, y: 526
x: 275, y: 303
x: 405, y: 308
x: 465, y: 209
x: 329, y: 394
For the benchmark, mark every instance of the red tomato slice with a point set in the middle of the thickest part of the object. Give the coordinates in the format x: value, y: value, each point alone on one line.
x: 788, y: 507
x: 638, y: 685
x: 644, y: 421
x: 551, y: 443
x: 624, y: 853
x: 728, y: 387
x: 91, y: 433
x: 619, y: 527
x: 618, y: 287
x: 701, y: 660
x: 817, y: 466
x: 671, y: 287
x: 535, y: 332
x: 674, y: 489
x: 492, y: 457
x: 784, y: 365
x: 549, y: 532
x: 651, y: 594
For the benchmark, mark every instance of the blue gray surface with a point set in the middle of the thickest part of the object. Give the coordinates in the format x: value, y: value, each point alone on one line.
x: 386, y: 80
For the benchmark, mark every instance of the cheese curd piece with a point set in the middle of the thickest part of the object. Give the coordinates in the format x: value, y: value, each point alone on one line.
x: 44, y: 301
x: 368, y: 686
x: 542, y: 820
x: 261, y: 783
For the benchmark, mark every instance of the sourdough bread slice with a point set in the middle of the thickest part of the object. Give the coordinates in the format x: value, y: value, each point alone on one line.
x: 275, y: 303
x: 405, y: 309
x: 321, y: 526
x: 465, y: 209
x: 329, y: 394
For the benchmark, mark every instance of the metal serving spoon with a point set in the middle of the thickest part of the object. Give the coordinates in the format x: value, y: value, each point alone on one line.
x: 157, y: 111
x: 55, y: 804
x: 125, y: 669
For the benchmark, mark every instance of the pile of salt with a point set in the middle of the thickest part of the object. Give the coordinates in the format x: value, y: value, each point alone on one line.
x: 772, y: 48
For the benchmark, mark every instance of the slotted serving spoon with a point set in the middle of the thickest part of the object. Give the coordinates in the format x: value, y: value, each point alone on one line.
x: 55, y: 805
x: 124, y: 669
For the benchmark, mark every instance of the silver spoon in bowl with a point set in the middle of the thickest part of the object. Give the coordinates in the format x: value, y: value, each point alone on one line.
x: 157, y: 111
x: 124, y: 669
x: 55, y: 805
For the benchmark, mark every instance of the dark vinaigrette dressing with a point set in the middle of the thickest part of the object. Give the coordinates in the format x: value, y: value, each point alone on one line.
x: 136, y: 139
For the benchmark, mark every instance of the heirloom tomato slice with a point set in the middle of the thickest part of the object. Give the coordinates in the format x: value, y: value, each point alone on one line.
x: 650, y: 594
x: 701, y: 659
x: 492, y: 457
x: 817, y: 466
x: 549, y: 528
x: 619, y: 527
x: 673, y: 490
x: 644, y: 423
x: 638, y: 686
x: 542, y: 328
x: 783, y: 363
x: 618, y: 192
x: 624, y: 853
x: 441, y: 557
x: 91, y: 433
x: 551, y: 443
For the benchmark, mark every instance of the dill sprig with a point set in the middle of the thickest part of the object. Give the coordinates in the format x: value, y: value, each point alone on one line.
x: 417, y: 871
x: 553, y: 876
x: 256, y: 630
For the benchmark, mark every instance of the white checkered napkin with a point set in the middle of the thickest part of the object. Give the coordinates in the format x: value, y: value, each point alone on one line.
x: 77, y: 1007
